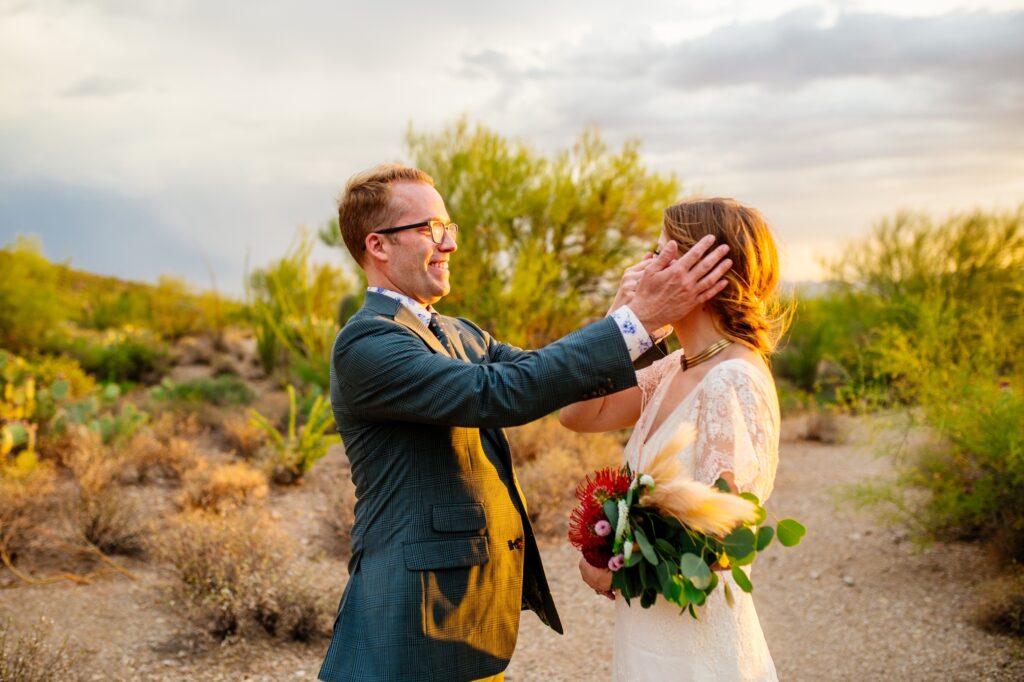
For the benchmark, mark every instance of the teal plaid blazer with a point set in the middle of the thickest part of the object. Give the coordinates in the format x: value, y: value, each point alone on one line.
x: 443, y: 555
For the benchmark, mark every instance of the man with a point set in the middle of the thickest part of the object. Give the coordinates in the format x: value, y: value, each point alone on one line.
x: 443, y: 555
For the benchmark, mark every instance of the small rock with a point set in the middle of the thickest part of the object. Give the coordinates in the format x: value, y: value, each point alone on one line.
x: 815, y: 575
x: 169, y: 662
x: 855, y: 536
x: 848, y: 580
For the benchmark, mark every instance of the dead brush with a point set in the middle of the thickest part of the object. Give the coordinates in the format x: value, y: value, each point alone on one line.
x: 232, y: 572
x: 221, y: 488
x: 26, y: 502
x: 550, y: 462
x: 243, y: 436
x: 147, y: 457
x: 32, y: 657
x: 103, y: 514
x: 341, y: 515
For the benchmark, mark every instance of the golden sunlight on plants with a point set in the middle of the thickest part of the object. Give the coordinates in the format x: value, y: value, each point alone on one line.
x: 236, y: 571
x: 221, y: 488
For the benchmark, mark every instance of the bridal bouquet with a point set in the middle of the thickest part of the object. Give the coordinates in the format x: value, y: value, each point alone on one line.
x: 660, y: 532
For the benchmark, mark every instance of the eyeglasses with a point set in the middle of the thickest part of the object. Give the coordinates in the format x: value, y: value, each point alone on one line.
x: 437, y: 229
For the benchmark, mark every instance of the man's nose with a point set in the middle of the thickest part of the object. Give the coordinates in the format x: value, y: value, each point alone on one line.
x: 448, y: 244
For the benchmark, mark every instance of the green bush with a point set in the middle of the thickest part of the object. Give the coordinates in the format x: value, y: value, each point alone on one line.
x: 223, y: 391
x: 948, y: 301
x: 126, y: 355
x: 31, y: 298
x: 297, y: 449
x: 293, y: 307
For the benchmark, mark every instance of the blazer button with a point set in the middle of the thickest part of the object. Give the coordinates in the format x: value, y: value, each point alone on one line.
x: 515, y: 544
x: 601, y: 391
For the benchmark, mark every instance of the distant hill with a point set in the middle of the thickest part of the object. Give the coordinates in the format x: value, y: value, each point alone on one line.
x: 98, y: 231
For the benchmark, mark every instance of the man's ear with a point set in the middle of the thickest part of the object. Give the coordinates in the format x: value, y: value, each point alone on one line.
x: 375, y: 247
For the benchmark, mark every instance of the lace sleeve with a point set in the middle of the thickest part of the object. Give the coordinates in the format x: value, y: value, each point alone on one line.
x: 648, y: 378
x: 738, y: 431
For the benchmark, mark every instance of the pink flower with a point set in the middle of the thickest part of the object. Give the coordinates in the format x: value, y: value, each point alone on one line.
x: 616, y: 562
x: 602, y: 528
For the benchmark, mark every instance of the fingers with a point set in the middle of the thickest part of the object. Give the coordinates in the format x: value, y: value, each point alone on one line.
x: 708, y: 262
x: 695, y: 253
x: 715, y: 289
x: 710, y: 279
x: 668, y: 254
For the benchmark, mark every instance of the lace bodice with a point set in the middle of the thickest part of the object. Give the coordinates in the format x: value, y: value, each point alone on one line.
x: 729, y: 421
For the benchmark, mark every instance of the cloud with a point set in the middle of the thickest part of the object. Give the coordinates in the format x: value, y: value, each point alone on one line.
x: 99, y: 86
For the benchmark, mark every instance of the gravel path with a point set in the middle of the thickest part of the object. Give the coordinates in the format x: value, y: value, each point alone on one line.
x: 854, y: 601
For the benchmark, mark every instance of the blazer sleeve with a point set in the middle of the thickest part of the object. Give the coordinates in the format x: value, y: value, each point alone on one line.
x: 385, y: 372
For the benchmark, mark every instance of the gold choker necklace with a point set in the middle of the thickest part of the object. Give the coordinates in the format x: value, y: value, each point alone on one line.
x: 705, y: 355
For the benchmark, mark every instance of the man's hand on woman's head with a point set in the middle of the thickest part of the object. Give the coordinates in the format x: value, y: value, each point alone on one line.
x: 671, y: 287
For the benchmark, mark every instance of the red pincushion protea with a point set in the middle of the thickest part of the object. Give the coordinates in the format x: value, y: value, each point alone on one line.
x: 606, y: 484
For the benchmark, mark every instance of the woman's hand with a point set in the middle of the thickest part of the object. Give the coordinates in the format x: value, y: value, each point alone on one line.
x: 598, y: 578
x: 630, y: 278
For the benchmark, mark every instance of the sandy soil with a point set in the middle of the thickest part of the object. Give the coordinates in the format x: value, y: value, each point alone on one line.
x: 855, y: 601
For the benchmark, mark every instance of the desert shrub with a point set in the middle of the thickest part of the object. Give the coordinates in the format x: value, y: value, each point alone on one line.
x: 341, y: 515
x: 32, y: 656
x: 105, y: 517
x: 232, y: 571
x: 31, y: 299
x: 555, y: 230
x: 295, y: 451
x: 825, y: 425
x: 222, y: 488
x: 221, y: 390
x: 550, y: 462
x: 242, y: 435
x: 127, y: 354
x: 26, y: 501
x: 292, y: 305
x: 148, y: 456
x: 1000, y: 605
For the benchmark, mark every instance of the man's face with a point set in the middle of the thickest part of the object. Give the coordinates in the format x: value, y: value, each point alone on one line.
x: 416, y: 265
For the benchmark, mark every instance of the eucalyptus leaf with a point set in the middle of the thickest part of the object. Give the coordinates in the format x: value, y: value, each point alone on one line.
x: 648, y: 598
x: 714, y: 583
x: 665, y: 548
x: 739, y: 544
x: 693, y: 611
x: 694, y: 568
x: 723, y: 485
x: 633, y: 559
x: 645, y: 547
x: 764, y: 537
x: 741, y: 579
x: 791, y: 532
x: 729, y: 599
x: 693, y: 594
x: 611, y: 510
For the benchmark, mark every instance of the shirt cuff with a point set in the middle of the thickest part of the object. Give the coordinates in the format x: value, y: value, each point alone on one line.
x: 637, y: 340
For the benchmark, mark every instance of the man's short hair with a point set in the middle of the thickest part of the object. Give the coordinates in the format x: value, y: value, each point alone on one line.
x: 366, y: 204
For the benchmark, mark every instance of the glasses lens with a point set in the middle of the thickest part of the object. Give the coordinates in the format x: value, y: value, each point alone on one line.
x: 438, y: 228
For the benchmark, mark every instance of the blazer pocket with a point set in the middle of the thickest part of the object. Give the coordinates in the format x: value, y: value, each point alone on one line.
x: 432, y: 555
x: 458, y: 518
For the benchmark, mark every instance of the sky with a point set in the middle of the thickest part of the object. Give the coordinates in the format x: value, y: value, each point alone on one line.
x: 140, y: 137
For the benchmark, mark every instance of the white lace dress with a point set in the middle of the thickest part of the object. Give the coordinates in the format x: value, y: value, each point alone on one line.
x: 728, y: 422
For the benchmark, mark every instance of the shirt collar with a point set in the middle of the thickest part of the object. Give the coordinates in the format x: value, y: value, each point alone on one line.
x: 418, y: 309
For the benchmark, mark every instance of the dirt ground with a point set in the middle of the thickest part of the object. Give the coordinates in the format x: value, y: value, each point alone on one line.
x: 855, y: 601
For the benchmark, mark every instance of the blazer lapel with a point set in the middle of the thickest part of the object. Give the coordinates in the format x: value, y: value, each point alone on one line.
x: 451, y: 331
x: 406, y: 317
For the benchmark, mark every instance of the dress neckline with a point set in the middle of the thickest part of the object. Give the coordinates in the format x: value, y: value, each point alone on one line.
x: 650, y: 434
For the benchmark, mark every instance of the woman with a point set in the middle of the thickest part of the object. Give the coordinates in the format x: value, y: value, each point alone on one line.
x: 714, y: 402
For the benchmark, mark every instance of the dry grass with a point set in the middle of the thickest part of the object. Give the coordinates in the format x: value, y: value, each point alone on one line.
x: 102, y: 513
x: 341, y: 515
x: 222, y: 488
x: 147, y: 456
x: 26, y: 502
x: 32, y: 657
x: 243, y: 436
x: 1000, y: 605
x: 232, y: 572
x: 550, y: 462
